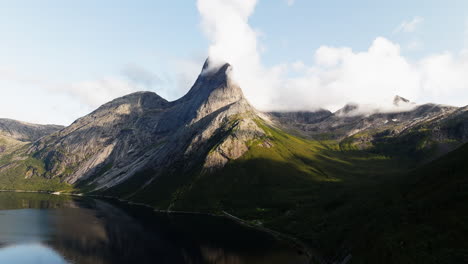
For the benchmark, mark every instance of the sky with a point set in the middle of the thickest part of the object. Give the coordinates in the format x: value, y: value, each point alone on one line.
x: 59, y: 60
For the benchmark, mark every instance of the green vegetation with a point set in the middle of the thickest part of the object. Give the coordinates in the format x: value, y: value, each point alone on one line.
x: 7, y: 146
x: 317, y: 191
x: 23, y: 172
x: 424, y: 219
x: 336, y: 197
x: 351, y: 197
x: 11, y: 201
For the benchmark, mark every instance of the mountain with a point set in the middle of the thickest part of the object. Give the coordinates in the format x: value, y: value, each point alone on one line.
x: 424, y: 219
x: 416, y: 129
x: 144, y: 134
x: 14, y: 134
x: 319, y: 176
x: 25, y: 132
x: 399, y: 101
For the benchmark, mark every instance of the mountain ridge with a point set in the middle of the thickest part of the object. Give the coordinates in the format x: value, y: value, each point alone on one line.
x: 142, y: 131
x: 315, y: 175
x: 26, y: 132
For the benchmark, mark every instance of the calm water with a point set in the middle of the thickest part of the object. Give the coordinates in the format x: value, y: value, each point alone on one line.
x: 49, y: 229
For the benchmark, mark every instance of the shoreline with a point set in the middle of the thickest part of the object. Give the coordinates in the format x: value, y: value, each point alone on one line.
x: 293, y: 241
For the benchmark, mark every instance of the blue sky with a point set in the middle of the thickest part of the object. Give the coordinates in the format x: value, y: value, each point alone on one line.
x: 55, y: 54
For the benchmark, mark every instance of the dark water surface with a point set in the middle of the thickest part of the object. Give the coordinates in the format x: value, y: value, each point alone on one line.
x: 50, y: 229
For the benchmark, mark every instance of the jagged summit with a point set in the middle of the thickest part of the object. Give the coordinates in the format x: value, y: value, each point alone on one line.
x: 214, y: 79
x: 347, y: 109
x: 143, y: 131
x: 399, y: 101
x: 214, y: 89
x: 212, y: 66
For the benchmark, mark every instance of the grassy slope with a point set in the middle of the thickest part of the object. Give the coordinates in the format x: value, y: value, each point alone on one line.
x: 15, y: 165
x: 425, y: 219
x: 318, y: 191
x: 8, y: 145
x: 337, y: 198
x: 334, y: 196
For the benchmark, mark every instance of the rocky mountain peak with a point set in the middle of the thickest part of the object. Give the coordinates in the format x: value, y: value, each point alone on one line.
x: 214, y: 89
x: 214, y: 78
x: 399, y: 101
x: 144, y: 131
x: 347, y: 109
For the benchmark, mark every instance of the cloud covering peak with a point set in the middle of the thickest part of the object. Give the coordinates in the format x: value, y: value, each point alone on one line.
x: 337, y: 75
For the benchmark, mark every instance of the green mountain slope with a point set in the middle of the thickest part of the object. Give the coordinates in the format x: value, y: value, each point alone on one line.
x: 313, y: 190
x: 424, y: 219
x: 210, y: 151
x: 341, y: 201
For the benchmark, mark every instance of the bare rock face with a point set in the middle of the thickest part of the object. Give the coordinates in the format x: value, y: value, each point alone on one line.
x: 120, y: 129
x: 349, y: 121
x: 207, y: 127
x: 235, y: 144
x: 347, y: 110
x: 399, y: 101
x: 430, y: 124
x: 25, y: 132
x: 15, y: 134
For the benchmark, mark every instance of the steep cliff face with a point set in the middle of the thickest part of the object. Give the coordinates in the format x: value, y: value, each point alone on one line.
x: 120, y: 130
x: 210, y: 151
x: 206, y: 128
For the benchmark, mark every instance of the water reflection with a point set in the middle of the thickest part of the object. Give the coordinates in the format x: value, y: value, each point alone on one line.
x: 34, y: 253
x: 65, y: 229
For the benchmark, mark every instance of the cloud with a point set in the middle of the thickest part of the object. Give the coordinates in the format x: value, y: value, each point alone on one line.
x: 290, y: 2
x: 42, y: 99
x: 298, y: 66
x: 338, y: 75
x: 225, y: 23
x: 409, y: 26
x: 374, y: 77
x: 94, y: 93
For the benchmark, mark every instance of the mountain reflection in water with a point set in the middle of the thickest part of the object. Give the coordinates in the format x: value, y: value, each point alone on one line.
x: 41, y: 228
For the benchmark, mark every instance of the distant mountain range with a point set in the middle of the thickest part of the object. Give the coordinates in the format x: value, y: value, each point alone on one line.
x: 320, y: 176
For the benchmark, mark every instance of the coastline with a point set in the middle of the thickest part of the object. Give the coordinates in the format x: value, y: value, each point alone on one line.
x: 293, y: 241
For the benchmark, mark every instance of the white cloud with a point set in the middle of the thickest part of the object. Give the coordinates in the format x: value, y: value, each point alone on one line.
x: 47, y: 101
x: 298, y: 66
x: 233, y: 40
x: 290, y: 2
x: 375, y: 76
x: 409, y: 26
x: 444, y: 78
x: 340, y: 75
x: 337, y: 75
x: 94, y: 93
